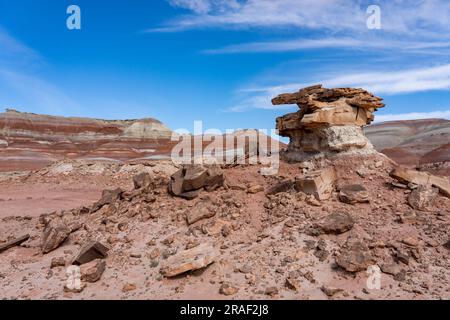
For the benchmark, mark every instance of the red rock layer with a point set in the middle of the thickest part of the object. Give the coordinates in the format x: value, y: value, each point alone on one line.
x: 29, y: 141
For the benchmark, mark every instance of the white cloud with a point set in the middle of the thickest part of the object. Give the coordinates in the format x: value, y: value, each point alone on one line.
x: 206, y: 6
x: 407, y: 25
x: 413, y: 116
x: 397, y: 82
x: 400, y: 16
x: 267, y: 13
x: 380, y: 82
x: 290, y: 45
x: 302, y: 44
x: 198, y: 6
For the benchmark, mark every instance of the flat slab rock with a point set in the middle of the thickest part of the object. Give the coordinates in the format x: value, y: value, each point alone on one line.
x: 189, y: 260
x: 422, y: 178
x: 92, y: 250
x: 319, y: 183
x: 13, y: 243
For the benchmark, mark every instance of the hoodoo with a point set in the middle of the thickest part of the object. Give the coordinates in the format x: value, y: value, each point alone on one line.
x: 329, y: 122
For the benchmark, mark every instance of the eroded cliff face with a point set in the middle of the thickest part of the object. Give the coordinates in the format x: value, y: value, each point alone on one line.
x: 329, y: 122
x: 29, y: 141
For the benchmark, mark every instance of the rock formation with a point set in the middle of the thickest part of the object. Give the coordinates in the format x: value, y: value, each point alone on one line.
x: 329, y: 121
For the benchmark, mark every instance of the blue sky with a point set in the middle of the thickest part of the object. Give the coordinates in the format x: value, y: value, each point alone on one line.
x: 220, y: 61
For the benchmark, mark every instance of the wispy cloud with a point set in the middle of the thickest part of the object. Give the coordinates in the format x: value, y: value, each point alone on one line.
x: 283, y: 46
x: 15, y: 53
x: 398, y: 82
x: 265, y: 13
x: 303, y: 44
x: 198, y: 6
x: 382, y: 82
x: 407, y: 25
x: 400, y: 16
x: 413, y: 116
x: 32, y: 91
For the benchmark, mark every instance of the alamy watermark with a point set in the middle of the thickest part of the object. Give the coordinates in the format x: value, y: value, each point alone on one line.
x: 374, y: 19
x: 374, y: 278
x: 212, y: 146
x: 73, y: 22
x: 73, y: 281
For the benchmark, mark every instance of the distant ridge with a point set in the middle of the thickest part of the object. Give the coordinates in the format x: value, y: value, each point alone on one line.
x: 413, y: 142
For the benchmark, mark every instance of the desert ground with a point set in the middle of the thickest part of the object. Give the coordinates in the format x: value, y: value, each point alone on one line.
x: 268, y: 246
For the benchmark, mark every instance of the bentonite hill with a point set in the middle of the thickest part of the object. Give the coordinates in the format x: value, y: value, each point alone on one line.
x: 338, y: 221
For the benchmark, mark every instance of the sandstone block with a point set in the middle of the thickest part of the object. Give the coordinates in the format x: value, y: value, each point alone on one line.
x: 189, y: 260
x: 318, y: 183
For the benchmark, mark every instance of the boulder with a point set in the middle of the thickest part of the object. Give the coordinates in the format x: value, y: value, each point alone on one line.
x: 142, y: 180
x: 55, y: 233
x: 318, y: 183
x: 176, y: 183
x: 189, y: 260
x: 200, y: 211
x: 423, y: 197
x: 392, y: 268
x: 92, y: 271
x: 194, y: 178
x: 90, y: 251
x: 108, y: 197
x: 187, y: 182
x: 215, y: 179
x: 355, y: 256
x: 335, y: 223
x: 58, y: 262
x: 354, y: 193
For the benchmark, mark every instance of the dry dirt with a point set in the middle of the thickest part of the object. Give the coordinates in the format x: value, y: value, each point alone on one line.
x: 265, y: 244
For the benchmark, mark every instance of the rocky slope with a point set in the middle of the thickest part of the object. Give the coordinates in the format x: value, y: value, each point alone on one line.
x: 253, y: 237
x: 424, y: 143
